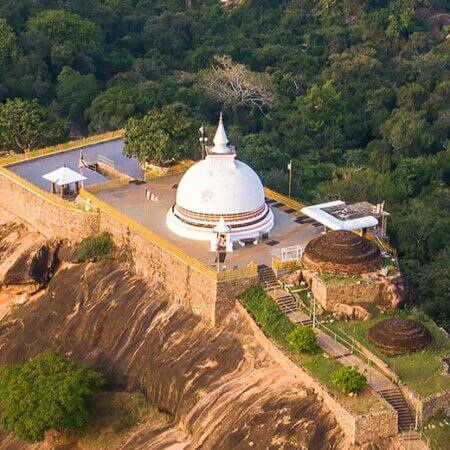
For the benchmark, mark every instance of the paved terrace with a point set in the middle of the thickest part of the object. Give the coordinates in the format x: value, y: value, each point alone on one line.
x: 130, y: 200
x: 33, y: 169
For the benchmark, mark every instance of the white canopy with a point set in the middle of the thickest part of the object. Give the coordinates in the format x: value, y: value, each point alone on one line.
x: 64, y: 176
x: 317, y: 213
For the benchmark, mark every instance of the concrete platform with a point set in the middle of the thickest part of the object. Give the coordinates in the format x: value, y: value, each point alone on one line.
x: 130, y: 200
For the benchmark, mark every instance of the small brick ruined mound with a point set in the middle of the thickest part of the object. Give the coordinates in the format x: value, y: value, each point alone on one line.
x: 342, y: 253
x: 399, y: 335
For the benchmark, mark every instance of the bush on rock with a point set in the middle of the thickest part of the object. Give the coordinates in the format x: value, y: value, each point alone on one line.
x: 95, y: 248
x: 48, y: 392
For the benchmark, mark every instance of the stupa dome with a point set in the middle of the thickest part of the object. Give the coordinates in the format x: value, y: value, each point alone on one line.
x: 220, y: 188
x: 341, y: 252
x: 399, y: 335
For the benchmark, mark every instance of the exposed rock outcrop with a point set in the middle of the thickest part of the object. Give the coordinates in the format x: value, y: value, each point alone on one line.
x: 221, y: 388
x: 27, y: 262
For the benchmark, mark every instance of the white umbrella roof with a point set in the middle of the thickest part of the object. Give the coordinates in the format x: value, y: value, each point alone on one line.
x: 63, y: 176
x: 318, y: 213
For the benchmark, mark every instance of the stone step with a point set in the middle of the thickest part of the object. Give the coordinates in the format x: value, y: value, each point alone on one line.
x: 395, y: 398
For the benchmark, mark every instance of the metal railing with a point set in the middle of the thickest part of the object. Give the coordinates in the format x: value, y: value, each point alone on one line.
x: 102, y: 159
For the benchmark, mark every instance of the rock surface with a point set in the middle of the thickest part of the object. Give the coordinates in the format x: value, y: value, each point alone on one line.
x: 222, y: 390
x: 27, y: 262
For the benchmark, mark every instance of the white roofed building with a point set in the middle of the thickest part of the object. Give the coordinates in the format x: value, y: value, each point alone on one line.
x: 63, y: 178
x: 222, y: 189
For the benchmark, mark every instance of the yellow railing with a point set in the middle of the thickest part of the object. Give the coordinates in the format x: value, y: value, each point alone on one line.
x: 278, y: 264
x: 73, y: 145
x: 384, y: 246
x: 294, y: 204
x: 150, y: 235
x: 110, y: 184
x: 250, y: 271
x: 179, y: 167
x: 47, y: 196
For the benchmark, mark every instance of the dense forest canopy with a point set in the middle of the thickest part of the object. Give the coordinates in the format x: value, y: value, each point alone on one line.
x: 355, y: 92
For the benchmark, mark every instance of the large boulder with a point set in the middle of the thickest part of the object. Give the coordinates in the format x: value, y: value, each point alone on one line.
x: 26, y: 258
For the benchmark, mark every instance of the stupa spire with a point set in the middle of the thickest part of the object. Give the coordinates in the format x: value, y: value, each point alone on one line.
x: 221, y: 139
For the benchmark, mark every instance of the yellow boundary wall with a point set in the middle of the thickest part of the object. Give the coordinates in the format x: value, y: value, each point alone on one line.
x: 157, y: 240
x: 294, y: 204
x: 65, y: 147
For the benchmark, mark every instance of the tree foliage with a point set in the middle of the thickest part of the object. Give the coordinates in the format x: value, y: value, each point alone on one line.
x: 75, y: 92
x: 24, y: 126
x: 48, y: 392
x: 161, y: 135
x: 234, y: 85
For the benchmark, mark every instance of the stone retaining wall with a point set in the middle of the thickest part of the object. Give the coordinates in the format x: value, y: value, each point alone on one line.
x: 434, y: 405
x: 189, y: 285
x: 358, y: 428
x: 206, y: 295
x: 330, y: 295
x: 51, y: 216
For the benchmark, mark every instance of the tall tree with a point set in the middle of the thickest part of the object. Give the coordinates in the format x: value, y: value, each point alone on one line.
x: 25, y: 126
x: 63, y: 37
x: 163, y: 134
x: 75, y: 92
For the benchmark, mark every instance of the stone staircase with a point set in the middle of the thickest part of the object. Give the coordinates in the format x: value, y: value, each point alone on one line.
x: 285, y: 301
x: 267, y: 278
x: 395, y: 398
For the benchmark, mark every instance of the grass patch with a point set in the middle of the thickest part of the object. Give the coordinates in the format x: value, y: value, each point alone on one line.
x: 339, y: 279
x: 278, y: 327
x: 437, y: 431
x: 421, y: 370
x: 114, y: 415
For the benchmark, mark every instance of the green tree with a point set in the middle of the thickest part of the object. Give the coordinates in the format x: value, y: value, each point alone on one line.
x: 48, y: 392
x: 24, y: 126
x: 161, y: 135
x: 112, y: 108
x: 348, y: 380
x: 407, y: 132
x: 303, y: 339
x: 8, y: 44
x: 75, y: 92
x: 64, y: 37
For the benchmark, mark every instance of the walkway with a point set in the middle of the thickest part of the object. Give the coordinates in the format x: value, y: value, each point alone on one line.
x: 385, y: 388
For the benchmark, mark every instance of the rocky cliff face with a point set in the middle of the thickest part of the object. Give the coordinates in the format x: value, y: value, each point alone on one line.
x: 221, y: 388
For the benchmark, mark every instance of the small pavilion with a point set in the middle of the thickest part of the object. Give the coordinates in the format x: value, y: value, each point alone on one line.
x: 362, y: 217
x: 64, y: 178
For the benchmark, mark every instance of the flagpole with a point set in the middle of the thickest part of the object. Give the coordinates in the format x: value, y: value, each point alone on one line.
x: 290, y: 178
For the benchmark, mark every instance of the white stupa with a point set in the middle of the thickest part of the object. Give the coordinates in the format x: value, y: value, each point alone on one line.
x: 220, y: 190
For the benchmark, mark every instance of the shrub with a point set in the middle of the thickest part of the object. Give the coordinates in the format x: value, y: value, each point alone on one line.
x: 348, y: 380
x: 95, y: 248
x: 48, y: 392
x: 268, y: 315
x: 302, y: 338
